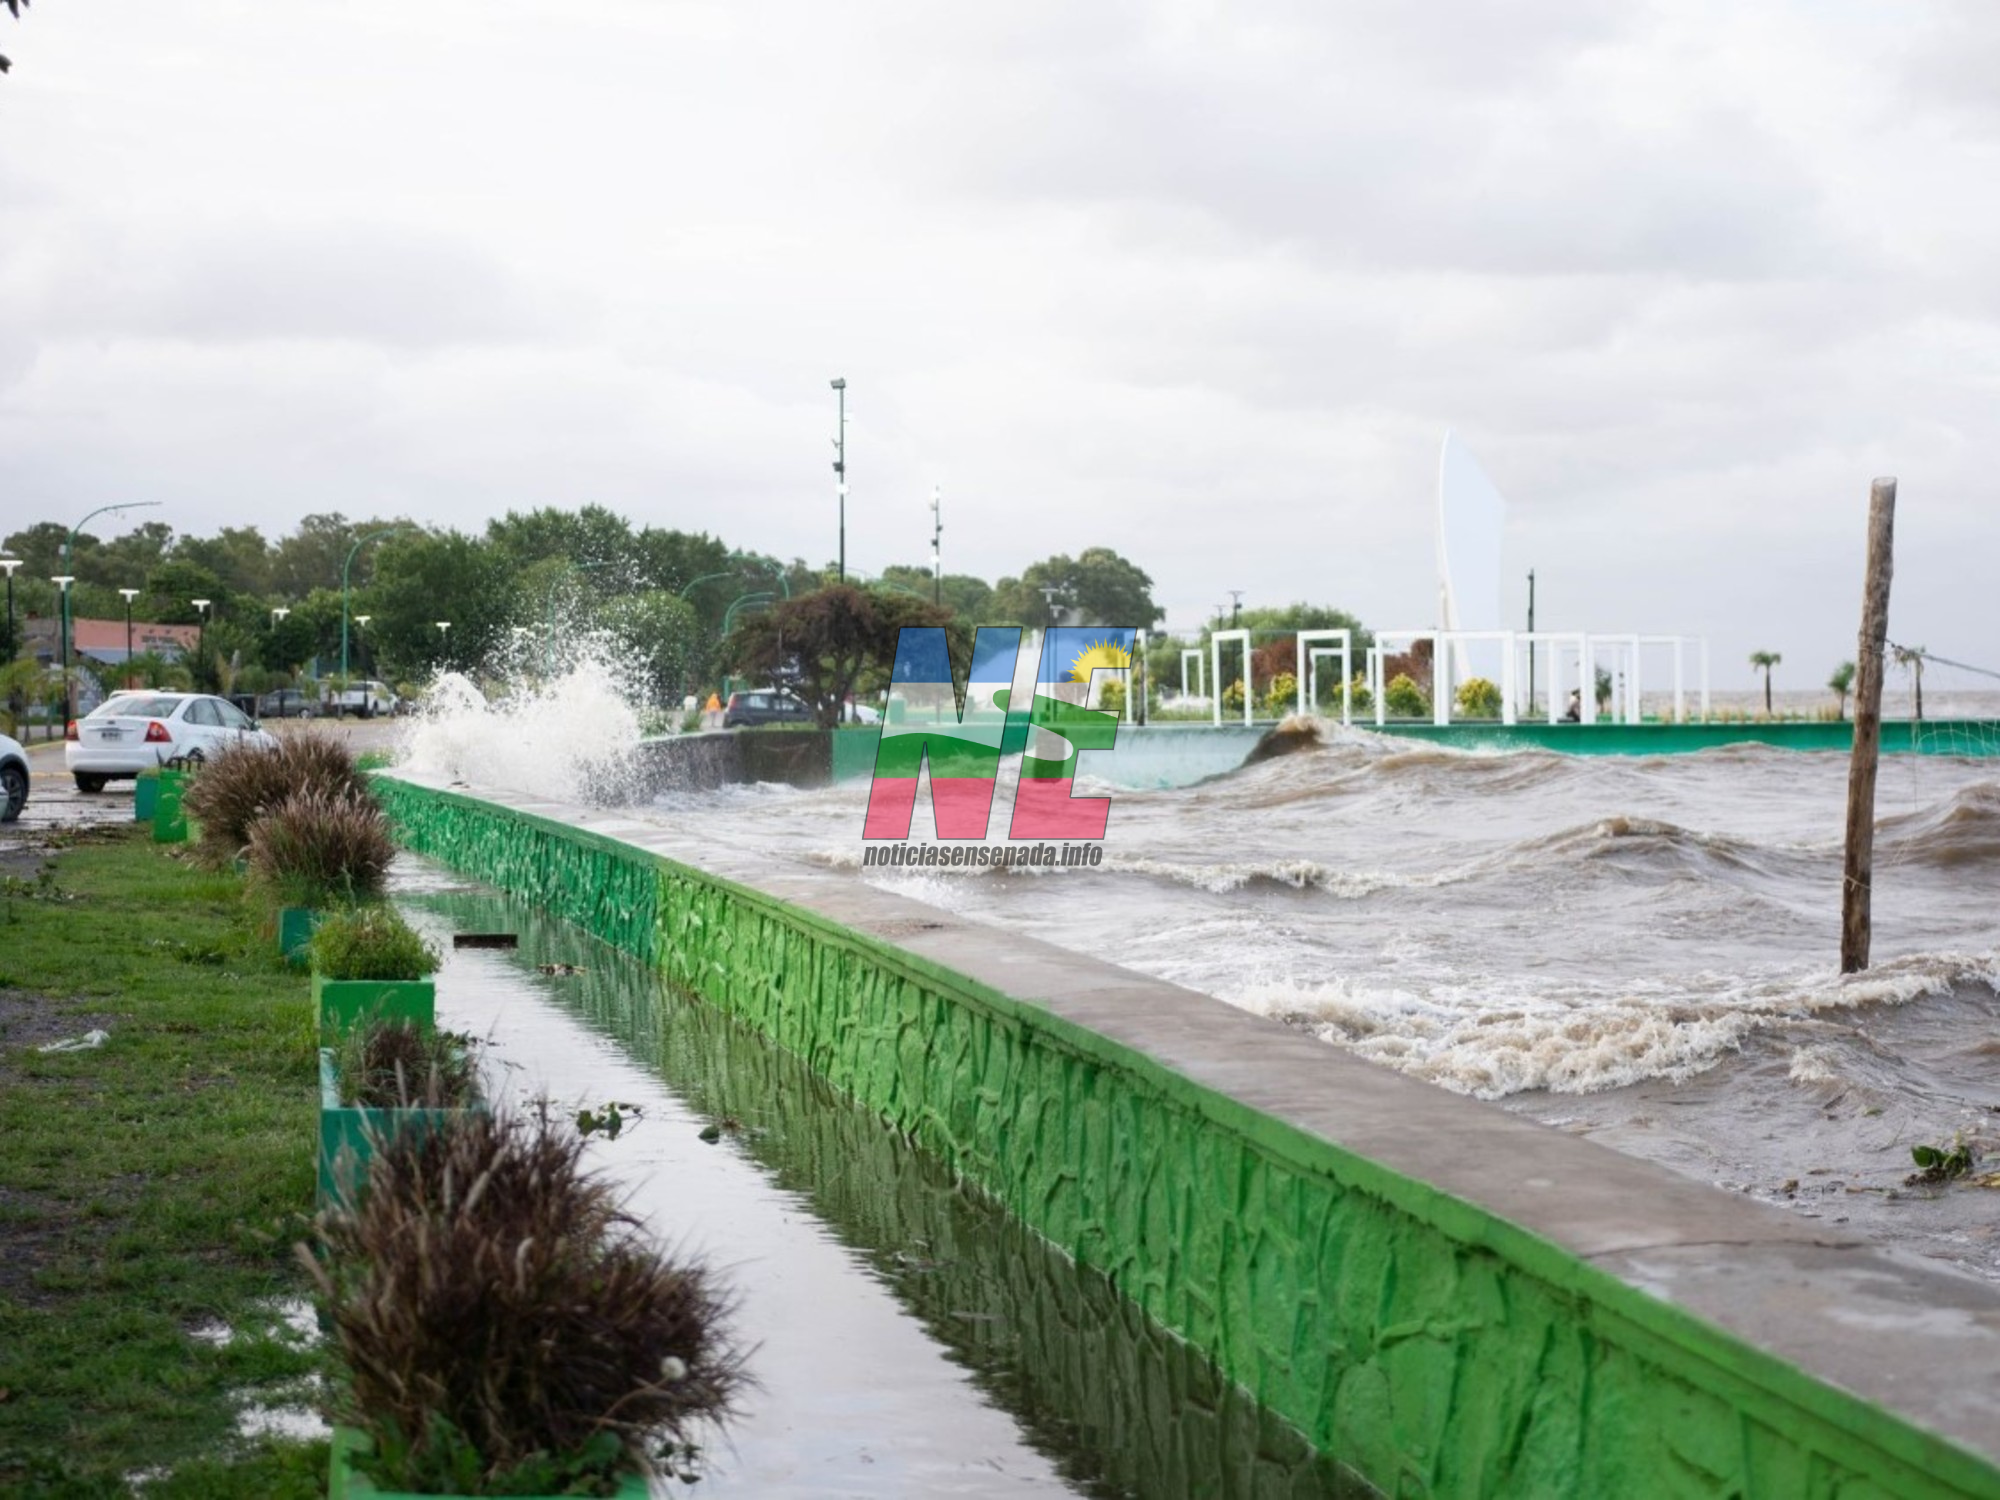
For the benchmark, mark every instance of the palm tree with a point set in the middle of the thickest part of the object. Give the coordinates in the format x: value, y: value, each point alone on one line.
x: 1766, y: 660
x: 1842, y: 682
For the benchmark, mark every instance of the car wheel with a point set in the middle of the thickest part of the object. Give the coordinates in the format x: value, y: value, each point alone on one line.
x: 13, y: 792
x: 90, y: 784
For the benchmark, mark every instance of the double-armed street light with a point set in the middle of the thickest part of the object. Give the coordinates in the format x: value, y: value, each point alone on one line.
x: 69, y: 702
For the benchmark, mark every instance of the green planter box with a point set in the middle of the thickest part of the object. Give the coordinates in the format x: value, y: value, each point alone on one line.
x: 344, y: 1130
x: 169, y: 822
x: 295, y: 930
x: 145, y: 796
x: 343, y: 1484
x: 341, y: 1003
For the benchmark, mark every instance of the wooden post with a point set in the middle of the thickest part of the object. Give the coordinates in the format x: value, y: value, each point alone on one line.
x: 1858, y: 878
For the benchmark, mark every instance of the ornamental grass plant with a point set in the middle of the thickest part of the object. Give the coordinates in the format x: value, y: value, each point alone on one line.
x: 241, y: 785
x: 370, y: 942
x: 401, y: 1065
x: 504, y: 1326
x: 321, y: 848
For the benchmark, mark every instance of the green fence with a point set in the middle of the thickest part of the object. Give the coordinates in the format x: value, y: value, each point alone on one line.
x: 1429, y: 1344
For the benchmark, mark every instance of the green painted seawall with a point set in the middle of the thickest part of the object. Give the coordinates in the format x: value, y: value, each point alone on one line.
x: 1448, y: 1300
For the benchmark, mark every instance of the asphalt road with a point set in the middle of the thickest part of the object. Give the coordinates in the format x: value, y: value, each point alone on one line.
x: 54, y: 803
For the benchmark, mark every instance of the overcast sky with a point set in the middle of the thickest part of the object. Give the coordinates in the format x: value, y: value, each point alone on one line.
x: 1204, y: 283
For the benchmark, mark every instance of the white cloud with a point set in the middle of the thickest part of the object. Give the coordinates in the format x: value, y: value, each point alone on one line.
x: 1207, y: 284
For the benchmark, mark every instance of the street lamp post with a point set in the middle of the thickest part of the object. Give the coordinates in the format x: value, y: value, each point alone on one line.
x: 444, y: 638
x: 840, y: 470
x: 201, y: 630
x: 68, y: 542
x: 13, y: 646
x: 128, y: 595
x: 63, y: 581
x: 359, y: 543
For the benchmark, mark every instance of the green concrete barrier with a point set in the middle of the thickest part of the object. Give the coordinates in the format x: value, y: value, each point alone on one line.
x: 1432, y: 1345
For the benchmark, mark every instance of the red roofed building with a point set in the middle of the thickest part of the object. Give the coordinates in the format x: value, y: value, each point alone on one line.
x: 104, y: 640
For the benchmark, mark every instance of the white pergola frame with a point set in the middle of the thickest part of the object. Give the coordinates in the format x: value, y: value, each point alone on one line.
x: 1308, y: 680
x: 1201, y: 689
x: 1215, y: 642
x: 1443, y: 645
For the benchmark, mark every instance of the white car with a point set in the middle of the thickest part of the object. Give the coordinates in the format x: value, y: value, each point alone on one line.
x: 134, y: 732
x: 13, y: 778
x: 365, y: 698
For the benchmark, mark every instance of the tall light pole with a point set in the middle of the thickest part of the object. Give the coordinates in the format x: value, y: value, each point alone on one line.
x: 13, y: 646
x: 359, y: 543
x: 129, y: 595
x: 63, y: 581
x: 1235, y: 607
x: 1531, y: 644
x: 68, y: 542
x: 840, y: 470
x: 937, y: 547
x: 444, y: 639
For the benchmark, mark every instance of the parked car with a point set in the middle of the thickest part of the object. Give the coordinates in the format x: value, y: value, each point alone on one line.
x: 13, y: 778
x: 764, y: 706
x: 134, y: 732
x: 287, y: 703
x: 364, y: 698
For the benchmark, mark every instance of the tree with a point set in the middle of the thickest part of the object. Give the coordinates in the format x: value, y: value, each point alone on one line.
x: 967, y: 597
x: 236, y: 554
x: 172, y: 588
x: 1403, y: 698
x: 592, y: 537
x: 424, y: 577
x: 1096, y: 587
x: 838, y: 636
x: 1766, y: 660
x: 1842, y: 682
x: 658, y: 632
x: 313, y: 555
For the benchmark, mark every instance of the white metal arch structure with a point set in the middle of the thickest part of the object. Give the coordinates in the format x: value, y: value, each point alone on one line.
x: 1242, y: 638
x: 1559, y: 648
x: 1308, y: 661
x: 1444, y: 693
x: 1381, y: 651
x: 1193, y: 653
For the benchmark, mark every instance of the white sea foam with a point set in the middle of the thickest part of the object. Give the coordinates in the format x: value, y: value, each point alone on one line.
x: 1501, y: 1038
x: 566, y: 738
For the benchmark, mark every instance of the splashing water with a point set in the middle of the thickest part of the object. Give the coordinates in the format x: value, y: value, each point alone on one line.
x: 571, y: 737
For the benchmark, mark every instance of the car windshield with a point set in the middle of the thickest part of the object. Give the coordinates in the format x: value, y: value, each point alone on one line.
x: 135, y: 706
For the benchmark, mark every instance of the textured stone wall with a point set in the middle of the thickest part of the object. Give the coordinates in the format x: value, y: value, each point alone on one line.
x: 1428, y: 1344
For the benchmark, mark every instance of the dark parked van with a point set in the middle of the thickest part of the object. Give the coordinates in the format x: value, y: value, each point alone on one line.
x: 765, y: 706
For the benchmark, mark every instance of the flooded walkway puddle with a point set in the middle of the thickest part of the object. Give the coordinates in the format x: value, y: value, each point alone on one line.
x: 910, y: 1339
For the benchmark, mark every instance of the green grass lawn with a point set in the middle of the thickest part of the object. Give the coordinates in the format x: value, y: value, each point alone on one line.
x: 151, y: 1187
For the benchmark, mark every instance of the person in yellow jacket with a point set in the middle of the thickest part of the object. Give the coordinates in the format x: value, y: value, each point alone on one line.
x: 714, y: 704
